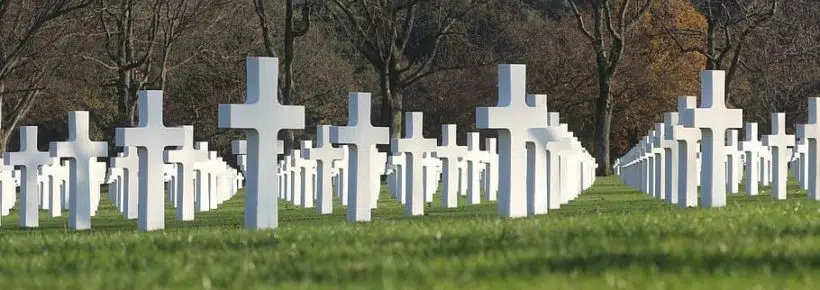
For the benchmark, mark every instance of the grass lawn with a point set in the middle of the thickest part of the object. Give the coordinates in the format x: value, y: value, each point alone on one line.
x: 611, y: 237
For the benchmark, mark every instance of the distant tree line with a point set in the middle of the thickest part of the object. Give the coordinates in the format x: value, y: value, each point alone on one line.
x: 610, y: 67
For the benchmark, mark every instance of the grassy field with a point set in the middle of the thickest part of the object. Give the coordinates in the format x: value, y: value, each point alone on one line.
x: 610, y: 238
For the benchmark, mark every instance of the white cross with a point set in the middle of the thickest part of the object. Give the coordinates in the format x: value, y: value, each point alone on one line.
x: 115, y: 186
x: 413, y: 146
x: 296, y: 165
x: 150, y: 137
x: 431, y: 169
x: 811, y: 131
x: 397, y: 177
x: 203, y: 179
x: 8, y: 190
x: 83, y: 154
x: 713, y: 119
x: 733, y: 161
x: 287, y: 174
x: 650, y: 164
x: 324, y: 153
x: 340, y: 167
x: 362, y: 137
x: 304, y: 172
x: 660, y: 161
x: 558, y: 144
x: 129, y: 162
x: 53, y: 173
x: 29, y: 158
x: 537, y: 183
x: 491, y: 170
x: 687, y: 139
x: 449, y: 152
x: 474, y: 159
x: 185, y: 157
x: 800, y: 154
x: 671, y: 152
x: 752, y: 147
x: 779, y: 141
x: 512, y: 118
x: 262, y: 117
x: 551, y: 141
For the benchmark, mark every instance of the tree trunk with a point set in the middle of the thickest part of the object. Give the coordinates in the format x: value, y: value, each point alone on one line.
x: 5, y: 134
x: 711, y: 26
x: 391, y: 105
x: 396, y: 108
x: 603, y: 124
x: 124, y: 94
x: 287, y: 83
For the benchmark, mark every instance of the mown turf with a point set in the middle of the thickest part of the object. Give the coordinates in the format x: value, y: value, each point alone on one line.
x: 611, y: 237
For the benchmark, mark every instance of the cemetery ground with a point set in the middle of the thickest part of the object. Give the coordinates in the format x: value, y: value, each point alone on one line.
x: 610, y: 237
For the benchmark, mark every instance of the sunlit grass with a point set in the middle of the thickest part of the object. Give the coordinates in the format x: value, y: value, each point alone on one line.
x: 611, y: 237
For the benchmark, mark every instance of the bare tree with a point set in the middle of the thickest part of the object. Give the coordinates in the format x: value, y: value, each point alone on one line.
x: 129, y: 47
x: 730, y: 24
x: 181, y: 18
x: 610, y: 31
x: 139, y: 39
x: 402, y: 41
x: 293, y: 30
x: 27, y: 33
x: 781, y: 74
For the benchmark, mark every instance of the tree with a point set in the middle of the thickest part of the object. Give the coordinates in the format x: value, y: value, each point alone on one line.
x: 730, y: 23
x: 287, y: 82
x: 782, y: 69
x: 28, y: 36
x: 129, y: 46
x: 608, y: 39
x: 139, y: 37
x: 402, y: 40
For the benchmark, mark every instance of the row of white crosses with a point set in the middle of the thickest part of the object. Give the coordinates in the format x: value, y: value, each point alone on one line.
x: 299, y: 174
x: 557, y: 167
x: 527, y: 138
x: 137, y: 175
x: 665, y: 164
x: 521, y: 124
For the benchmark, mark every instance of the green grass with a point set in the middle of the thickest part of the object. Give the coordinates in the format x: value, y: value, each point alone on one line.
x: 611, y: 237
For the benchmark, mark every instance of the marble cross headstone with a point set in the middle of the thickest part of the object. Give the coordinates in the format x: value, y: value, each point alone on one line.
x: 413, y: 146
x: 262, y: 117
x: 362, y: 138
x: 512, y: 117
x: 449, y: 152
x: 779, y: 141
x: 713, y: 119
x: 185, y: 157
x: 129, y: 162
x: 660, y: 161
x: 474, y: 159
x: 151, y: 137
x: 733, y: 164
x: 536, y: 165
x: 752, y: 148
x: 811, y: 131
x: 8, y: 189
x: 397, y: 180
x: 324, y: 153
x: 29, y: 158
x: 491, y: 169
x: 558, y: 144
x: 671, y: 151
x: 687, y: 139
x: 83, y: 154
